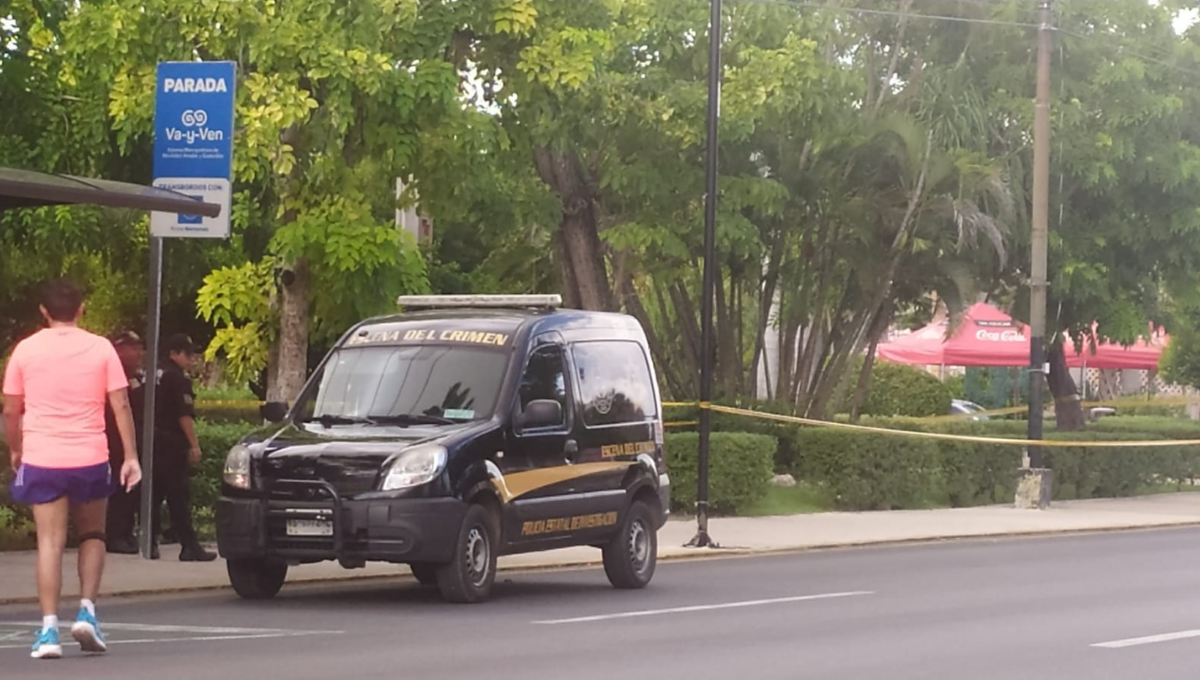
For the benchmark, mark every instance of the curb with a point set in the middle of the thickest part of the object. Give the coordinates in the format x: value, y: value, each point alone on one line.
x: 692, y: 555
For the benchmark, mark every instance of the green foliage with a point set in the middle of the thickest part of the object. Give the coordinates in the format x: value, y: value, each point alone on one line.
x: 867, y: 471
x: 739, y: 469
x: 899, y: 390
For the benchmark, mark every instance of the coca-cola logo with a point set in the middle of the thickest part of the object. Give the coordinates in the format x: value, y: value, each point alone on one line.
x: 1011, y: 335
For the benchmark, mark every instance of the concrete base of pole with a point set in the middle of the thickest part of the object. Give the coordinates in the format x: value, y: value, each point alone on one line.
x: 1034, y: 486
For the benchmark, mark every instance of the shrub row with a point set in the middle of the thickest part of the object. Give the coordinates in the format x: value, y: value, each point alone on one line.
x: 739, y: 471
x: 866, y: 471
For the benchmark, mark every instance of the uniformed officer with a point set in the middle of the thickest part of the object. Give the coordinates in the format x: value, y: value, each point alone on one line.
x: 123, y: 505
x: 176, y: 448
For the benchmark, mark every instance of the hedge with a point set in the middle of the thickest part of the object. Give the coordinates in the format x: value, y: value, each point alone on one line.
x: 898, y: 390
x: 740, y: 469
x: 866, y: 471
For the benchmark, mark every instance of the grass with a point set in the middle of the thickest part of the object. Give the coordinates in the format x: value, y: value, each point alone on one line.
x: 796, y: 500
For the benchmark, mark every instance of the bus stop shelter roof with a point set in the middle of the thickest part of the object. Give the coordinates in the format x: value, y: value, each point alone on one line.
x: 28, y: 188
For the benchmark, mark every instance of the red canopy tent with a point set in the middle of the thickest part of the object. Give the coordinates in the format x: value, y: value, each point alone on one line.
x: 989, y: 337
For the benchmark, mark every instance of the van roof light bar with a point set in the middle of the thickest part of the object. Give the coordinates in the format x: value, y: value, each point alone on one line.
x: 479, y: 301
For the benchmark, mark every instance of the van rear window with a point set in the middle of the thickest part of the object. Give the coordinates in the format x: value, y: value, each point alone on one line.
x: 614, y: 382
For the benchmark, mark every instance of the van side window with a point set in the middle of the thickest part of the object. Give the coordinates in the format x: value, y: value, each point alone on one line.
x: 614, y: 382
x: 545, y: 378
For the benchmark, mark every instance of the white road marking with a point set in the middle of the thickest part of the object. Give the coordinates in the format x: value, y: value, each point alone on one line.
x: 180, y: 633
x: 705, y: 607
x: 1149, y: 639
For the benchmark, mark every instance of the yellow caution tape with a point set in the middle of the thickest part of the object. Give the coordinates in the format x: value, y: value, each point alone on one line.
x: 681, y: 423
x: 955, y: 437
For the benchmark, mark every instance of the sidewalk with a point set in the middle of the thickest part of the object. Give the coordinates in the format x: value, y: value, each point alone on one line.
x: 127, y: 575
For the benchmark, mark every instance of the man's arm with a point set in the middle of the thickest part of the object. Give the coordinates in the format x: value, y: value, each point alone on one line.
x: 119, y: 401
x: 188, y: 424
x: 131, y: 469
x: 14, y: 407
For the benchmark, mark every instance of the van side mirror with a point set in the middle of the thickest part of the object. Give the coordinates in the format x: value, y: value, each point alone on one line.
x: 273, y: 411
x: 542, y: 413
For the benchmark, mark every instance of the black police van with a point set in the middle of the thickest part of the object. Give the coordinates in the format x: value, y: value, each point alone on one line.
x: 464, y: 428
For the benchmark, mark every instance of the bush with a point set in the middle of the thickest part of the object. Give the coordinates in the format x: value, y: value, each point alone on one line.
x: 866, y: 471
x: 899, y: 390
x: 739, y: 473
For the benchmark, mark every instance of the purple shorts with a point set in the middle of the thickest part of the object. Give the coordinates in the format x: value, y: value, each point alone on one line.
x: 37, y: 485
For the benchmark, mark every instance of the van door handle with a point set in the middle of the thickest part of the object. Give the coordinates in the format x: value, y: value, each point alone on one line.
x: 571, y: 449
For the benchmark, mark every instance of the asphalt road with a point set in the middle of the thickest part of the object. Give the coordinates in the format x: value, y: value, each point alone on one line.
x: 972, y: 610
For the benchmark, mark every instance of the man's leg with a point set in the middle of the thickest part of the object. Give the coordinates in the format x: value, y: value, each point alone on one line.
x: 91, y: 488
x: 51, y: 522
x: 89, y: 525
x: 179, y: 504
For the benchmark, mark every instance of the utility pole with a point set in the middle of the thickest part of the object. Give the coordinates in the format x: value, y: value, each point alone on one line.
x: 707, y: 334
x: 1036, y: 474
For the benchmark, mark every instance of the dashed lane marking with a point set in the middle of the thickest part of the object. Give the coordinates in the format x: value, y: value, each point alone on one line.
x: 705, y: 607
x: 1148, y: 640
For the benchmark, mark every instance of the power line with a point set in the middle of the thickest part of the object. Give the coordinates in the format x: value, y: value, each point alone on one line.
x: 1132, y: 52
x: 894, y: 13
x: 970, y: 20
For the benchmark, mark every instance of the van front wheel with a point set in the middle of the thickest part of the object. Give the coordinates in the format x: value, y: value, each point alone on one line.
x: 256, y: 579
x: 630, y: 558
x: 469, y: 576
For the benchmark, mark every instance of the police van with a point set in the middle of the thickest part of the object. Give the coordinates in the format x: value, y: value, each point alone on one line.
x: 457, y: 431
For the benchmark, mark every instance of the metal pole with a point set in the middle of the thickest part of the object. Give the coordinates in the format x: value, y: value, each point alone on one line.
x: 154, y: 311
x: 707, y: 340
x: 1041, y: 203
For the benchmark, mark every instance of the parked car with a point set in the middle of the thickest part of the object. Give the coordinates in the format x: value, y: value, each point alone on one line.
x: 961, y: 407
x: 463, y: 429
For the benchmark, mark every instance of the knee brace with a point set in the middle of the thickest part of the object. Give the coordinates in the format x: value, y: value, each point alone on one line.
x: 93, y: 536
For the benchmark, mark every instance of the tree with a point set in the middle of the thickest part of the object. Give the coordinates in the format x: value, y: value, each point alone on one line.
x: 332, y: 97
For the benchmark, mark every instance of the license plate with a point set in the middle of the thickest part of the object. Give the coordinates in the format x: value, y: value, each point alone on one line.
x: 309, y: 527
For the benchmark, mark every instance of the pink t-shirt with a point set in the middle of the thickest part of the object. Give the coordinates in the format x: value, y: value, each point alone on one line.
x: 65, y: 375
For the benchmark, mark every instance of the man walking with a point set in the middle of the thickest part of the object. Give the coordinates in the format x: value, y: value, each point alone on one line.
x: 176, y: 447
x: 124, y: 505
x: 55, y: 388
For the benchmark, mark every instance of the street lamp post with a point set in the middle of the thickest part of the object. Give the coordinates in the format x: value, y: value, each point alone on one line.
x: 707, y: 339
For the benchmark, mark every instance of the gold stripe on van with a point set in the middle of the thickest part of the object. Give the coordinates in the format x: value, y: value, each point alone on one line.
x: 518, y: 484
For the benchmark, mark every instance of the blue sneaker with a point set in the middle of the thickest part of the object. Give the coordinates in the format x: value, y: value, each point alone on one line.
x: 86, y: 632
x: 47, y: 645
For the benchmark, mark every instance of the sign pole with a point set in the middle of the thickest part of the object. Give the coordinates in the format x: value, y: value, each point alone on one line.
x: 193, y: 154
x: 153, y: 313
x: 707, y: 340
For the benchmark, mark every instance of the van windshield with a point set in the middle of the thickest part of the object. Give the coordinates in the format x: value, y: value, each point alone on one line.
x: 409, y: 385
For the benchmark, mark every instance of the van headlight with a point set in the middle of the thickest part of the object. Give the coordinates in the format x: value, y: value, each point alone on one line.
x: 237, y: 467
x: 416, y: 466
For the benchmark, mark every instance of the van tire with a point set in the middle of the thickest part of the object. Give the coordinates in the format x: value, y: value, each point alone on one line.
x: 425, y: 573
x: 256, y: 579
x: 631, y: 557
x: 469, y: 576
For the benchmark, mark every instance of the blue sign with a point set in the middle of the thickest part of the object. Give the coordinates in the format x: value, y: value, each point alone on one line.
x: 193, y: 143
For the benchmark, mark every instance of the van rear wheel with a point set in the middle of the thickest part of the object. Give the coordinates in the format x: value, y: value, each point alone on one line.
x: 631, y: 557
x: 469, y: 576
x: 256, y: 579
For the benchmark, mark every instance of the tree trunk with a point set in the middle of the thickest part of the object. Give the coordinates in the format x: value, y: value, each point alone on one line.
x: 585, y: 275
x: 291, y: 368
x: 864, y: 377
x: 1068, y: 411
x: 727, y: 372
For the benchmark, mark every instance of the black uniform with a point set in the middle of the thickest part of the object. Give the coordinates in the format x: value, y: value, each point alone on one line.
x: 174, y: 399
x: 123, y: 505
